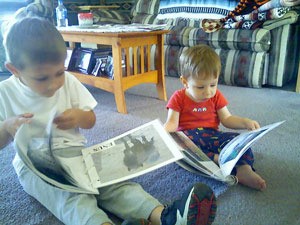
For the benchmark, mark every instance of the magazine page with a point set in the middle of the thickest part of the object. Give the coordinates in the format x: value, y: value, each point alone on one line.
x: 197, y: 161
x: 136, y: 152
x: 34, y: 149
x: 233, y: 151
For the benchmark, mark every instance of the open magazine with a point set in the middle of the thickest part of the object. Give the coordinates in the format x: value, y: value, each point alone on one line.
x: 84, y: 170
x: 198, y: 162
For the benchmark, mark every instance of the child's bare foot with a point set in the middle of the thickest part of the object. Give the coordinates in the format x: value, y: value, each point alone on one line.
x: 248, y: 177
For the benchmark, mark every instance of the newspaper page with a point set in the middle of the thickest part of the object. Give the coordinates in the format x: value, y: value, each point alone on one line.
x: 136, y: 152
x: 35, y: 150
x: 233, y: 151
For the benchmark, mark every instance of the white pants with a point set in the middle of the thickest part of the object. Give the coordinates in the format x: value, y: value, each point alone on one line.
x: 125, y: 200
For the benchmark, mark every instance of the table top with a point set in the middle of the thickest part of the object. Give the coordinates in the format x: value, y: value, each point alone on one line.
x: 117, y: 29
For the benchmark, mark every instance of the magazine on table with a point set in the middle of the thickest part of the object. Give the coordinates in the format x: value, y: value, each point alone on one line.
x: 85, y: 169
x: 195, y: 160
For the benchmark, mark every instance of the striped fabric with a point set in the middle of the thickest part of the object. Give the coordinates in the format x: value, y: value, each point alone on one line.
x: 144, y: 9
x: 284, y: 57
x: 104, y: 16
x: 146, y: 6
x: 144, y: 18
x: 249, y: 58
x: 241, y: 68
x: 249, y: 40
x: 213, y: 9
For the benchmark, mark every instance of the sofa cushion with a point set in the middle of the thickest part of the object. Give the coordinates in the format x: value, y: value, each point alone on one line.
x: 284, y: 58
x: 241, y: 68
x: 104, y: 16
x: 236, y: 39
x: 145, y: 11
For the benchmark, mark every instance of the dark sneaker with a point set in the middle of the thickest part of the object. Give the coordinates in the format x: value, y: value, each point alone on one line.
x: 136, y: 222
x: 196, y: 207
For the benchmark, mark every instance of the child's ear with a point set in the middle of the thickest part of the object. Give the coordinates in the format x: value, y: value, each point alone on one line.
x: 11, y: 68
x: 183, y: 81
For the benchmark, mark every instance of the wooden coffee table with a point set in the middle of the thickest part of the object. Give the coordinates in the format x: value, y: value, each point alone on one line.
x: 135, y: 49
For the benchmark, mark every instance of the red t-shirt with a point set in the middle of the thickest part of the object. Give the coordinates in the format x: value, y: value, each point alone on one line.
x: 196, y: 114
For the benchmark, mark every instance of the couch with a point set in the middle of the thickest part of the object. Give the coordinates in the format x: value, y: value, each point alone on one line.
x: 256, y: 49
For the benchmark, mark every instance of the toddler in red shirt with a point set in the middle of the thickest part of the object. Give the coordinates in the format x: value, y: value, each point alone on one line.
x: 200, y: 107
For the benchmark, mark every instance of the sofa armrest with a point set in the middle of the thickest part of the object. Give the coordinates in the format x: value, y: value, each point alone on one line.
x: 289, y: 18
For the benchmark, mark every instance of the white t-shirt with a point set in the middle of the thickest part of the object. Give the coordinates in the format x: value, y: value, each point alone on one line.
x: 16, y: 98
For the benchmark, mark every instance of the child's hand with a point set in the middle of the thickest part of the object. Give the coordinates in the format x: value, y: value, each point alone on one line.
x: 72, y: 118
x: 68, y: 119
x: 13, y: 124
x: 251, y: 124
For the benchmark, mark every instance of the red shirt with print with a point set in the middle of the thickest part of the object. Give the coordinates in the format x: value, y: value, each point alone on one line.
x: 196, y: 114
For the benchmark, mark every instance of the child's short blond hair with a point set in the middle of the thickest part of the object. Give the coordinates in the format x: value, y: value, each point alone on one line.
x: 32, y: 41
x: 199, y: 61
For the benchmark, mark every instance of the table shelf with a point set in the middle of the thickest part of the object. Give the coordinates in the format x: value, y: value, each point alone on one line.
x: 142, y: 63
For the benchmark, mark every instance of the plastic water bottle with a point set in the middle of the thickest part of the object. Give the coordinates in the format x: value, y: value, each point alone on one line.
x: 61, y: 15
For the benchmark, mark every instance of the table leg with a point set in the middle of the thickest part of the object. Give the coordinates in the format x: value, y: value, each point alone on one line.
x: 118, y: 85
x: 160, y: 86
x: 71, y: 45
x: 120, y: 101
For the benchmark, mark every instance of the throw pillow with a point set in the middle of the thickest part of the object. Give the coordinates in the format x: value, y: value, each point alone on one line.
x: 104, y: 16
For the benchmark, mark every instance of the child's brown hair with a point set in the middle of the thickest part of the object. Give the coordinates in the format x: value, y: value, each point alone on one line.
x: 199, y: 61
x: 32, y: 41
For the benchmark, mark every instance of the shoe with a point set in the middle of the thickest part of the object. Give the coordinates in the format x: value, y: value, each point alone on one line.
x: 196, y: 207
x: 136, y: 222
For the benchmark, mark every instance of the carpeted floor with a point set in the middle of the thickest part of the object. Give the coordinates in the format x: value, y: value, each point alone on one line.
x: 277, y: 159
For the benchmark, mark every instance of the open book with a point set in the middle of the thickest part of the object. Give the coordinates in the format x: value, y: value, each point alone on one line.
x: 196, y: 161
x: 84, y: 170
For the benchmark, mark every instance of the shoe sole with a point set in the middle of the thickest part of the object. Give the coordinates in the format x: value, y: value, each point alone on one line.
x: 202, y: 206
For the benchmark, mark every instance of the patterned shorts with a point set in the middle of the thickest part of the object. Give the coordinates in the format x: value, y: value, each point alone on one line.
x: 211, y: 141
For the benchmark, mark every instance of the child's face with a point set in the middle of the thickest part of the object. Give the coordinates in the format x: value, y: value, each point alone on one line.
x: 200, y: 90
x: 44, y: 79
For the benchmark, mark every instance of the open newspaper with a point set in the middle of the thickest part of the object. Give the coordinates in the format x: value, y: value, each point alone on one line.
x: 196, y: 161
x: 84, y: 170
